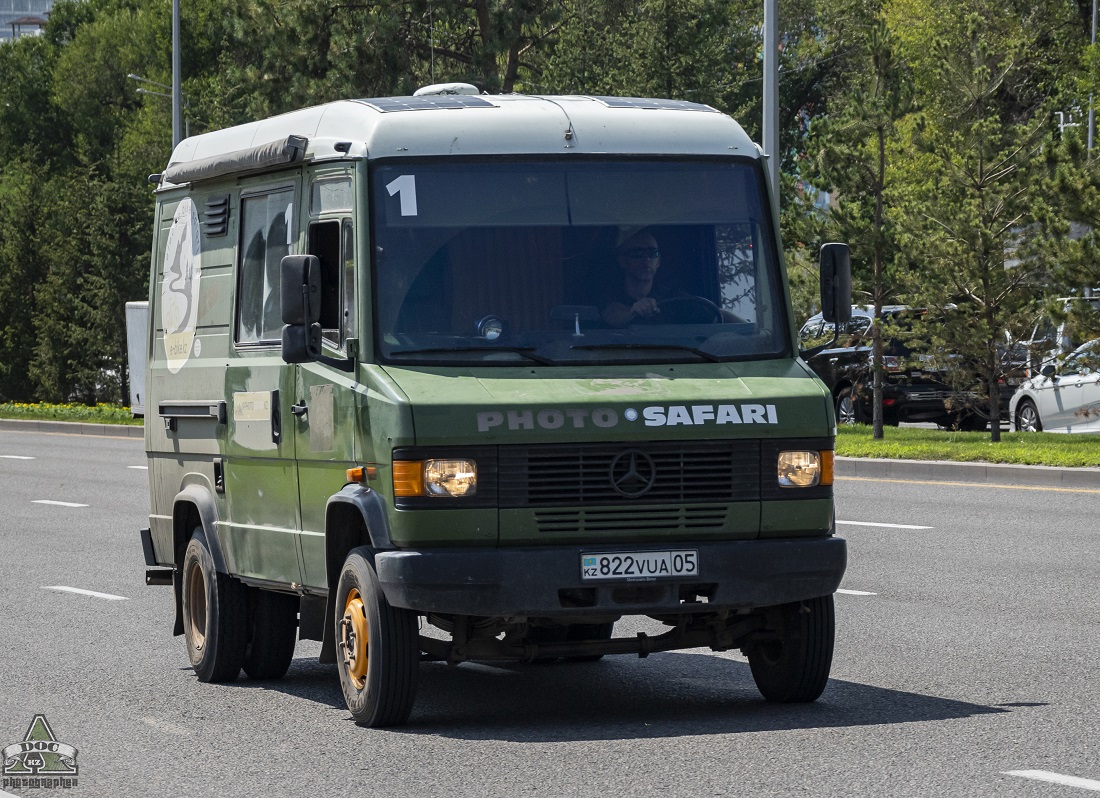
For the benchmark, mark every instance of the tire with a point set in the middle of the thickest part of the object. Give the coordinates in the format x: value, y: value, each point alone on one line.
x: 795, y: 668
x: 274, y: 630
x: 215, y: 615
x: 1027, y: 417
x: 378, y: 653
x: 848, y: 410
x: 589, y: 631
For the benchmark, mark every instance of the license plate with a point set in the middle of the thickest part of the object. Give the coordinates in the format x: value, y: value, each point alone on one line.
x: 635, y: 565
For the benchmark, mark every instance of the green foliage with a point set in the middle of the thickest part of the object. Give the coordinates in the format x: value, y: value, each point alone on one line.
x: 92, y: 414
x: 1021, y: 448
x: 975, y: 221
x: 928, y: 121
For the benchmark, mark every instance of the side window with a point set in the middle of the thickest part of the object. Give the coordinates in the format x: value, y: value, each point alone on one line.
x: 267, y: 233
x: 333, y: 244
x: 855, y: 330
x: 330, y: 194
x: 815, y: 333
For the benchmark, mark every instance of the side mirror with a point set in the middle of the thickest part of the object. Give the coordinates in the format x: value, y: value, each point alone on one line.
x: 836, y: 283
x: 1048, y: 371
x: 301, y: 343
x: 301, y: 289
x: 300, y: 305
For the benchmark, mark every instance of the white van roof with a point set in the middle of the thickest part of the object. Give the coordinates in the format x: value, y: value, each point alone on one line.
x: 509, y: 124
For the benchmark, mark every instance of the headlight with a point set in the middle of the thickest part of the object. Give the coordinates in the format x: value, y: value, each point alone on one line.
x: 444, y: 478
x: 805, y: 469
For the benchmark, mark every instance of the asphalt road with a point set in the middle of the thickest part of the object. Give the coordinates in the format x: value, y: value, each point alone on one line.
x: 966, y: 651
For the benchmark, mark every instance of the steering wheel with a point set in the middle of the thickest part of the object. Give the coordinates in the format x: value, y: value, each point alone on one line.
x: 689, y: 310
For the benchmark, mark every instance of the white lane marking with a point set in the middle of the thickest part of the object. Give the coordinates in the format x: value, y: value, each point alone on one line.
x: 82, y: 592
x: 15, y: 457
x: 1056, y: 778
x: 888, y: 526
x: 7, y: 795
x: 856, y: 592
x: 139, y: 468
x: 165, y: 726
x: 58, y: 504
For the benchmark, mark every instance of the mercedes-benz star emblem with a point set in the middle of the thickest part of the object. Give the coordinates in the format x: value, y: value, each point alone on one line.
x: 632, y: 473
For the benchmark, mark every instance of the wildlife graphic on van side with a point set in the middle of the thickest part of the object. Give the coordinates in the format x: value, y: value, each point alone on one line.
x: 180, y: 298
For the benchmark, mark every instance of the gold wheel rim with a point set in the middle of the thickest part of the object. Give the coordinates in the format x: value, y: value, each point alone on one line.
x: 196, y: 601
x: 355, y: 638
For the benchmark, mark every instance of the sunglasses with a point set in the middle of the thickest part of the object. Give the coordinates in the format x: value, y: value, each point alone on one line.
x: 640, y: 253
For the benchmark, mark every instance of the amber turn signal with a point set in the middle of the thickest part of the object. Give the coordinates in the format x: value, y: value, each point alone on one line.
x: 408, y: 478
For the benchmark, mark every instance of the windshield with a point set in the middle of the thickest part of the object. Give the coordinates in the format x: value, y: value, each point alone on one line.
x: 555, y: 263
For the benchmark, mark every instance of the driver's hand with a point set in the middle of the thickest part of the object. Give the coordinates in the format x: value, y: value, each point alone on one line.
x: 645, y: 307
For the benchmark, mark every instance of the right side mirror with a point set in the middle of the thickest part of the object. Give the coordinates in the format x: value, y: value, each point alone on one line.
x: 836, y: 283
x: 301, y: 289
x: 300, y: 304
x: 1048, y: 371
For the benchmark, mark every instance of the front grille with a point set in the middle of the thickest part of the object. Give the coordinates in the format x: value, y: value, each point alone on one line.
x: 683, y: 473
x: 698, y: 518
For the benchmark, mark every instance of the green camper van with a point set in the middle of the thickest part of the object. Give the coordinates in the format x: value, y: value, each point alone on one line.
x: 463, y: 377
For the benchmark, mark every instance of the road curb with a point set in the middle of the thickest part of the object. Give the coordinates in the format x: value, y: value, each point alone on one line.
x: 72, y: 428
x: 974, y: 473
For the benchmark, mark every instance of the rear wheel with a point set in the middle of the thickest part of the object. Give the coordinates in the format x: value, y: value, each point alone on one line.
x: 848, y: 410
x: 215, y: 615
x: 794, y: 666
x: 1027, y: 417
x: 274, y: 627
x: 378, y: 652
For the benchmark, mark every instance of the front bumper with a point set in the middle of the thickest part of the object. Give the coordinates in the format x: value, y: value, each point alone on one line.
x: 546, y: 581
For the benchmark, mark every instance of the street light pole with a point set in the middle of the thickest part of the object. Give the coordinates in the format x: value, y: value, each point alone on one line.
x: 771, y: 96
x: 176, y: 93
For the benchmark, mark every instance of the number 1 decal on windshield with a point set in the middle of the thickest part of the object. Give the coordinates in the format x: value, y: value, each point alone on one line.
x: 405, y: 186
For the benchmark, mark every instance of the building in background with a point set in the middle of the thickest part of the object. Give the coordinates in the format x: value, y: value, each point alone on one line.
x: 23, y: 17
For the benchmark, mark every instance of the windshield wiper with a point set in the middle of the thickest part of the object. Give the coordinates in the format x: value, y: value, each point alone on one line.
x: 649, y: 347
x: 525, y: 351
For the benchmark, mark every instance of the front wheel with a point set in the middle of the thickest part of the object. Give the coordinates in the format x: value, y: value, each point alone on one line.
x: 1027, y: 417
x: 793, y: 667
x: 378, y: 654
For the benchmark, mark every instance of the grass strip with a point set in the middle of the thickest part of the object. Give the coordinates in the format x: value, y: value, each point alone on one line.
x: 1020, y: 448
x: 89, y: 414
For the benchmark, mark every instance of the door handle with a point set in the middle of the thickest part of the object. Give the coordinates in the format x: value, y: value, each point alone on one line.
x: 299, y: 410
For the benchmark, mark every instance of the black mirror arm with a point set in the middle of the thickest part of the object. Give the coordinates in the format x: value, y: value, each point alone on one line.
x: 344, y: 364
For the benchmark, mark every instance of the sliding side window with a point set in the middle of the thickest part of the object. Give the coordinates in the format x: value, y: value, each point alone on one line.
x: 267, y: 235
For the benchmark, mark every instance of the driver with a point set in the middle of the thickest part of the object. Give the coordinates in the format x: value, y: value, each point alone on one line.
x: 639, y: 258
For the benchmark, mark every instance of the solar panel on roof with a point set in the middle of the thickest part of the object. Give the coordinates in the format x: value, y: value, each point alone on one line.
x: 426, y: 103
x: 648, y: 103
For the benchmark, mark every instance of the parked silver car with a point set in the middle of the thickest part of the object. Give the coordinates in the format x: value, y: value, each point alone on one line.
x: 1063, y: 398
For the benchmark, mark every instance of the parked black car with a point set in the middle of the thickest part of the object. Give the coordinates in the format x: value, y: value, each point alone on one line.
x: 913, y: 389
